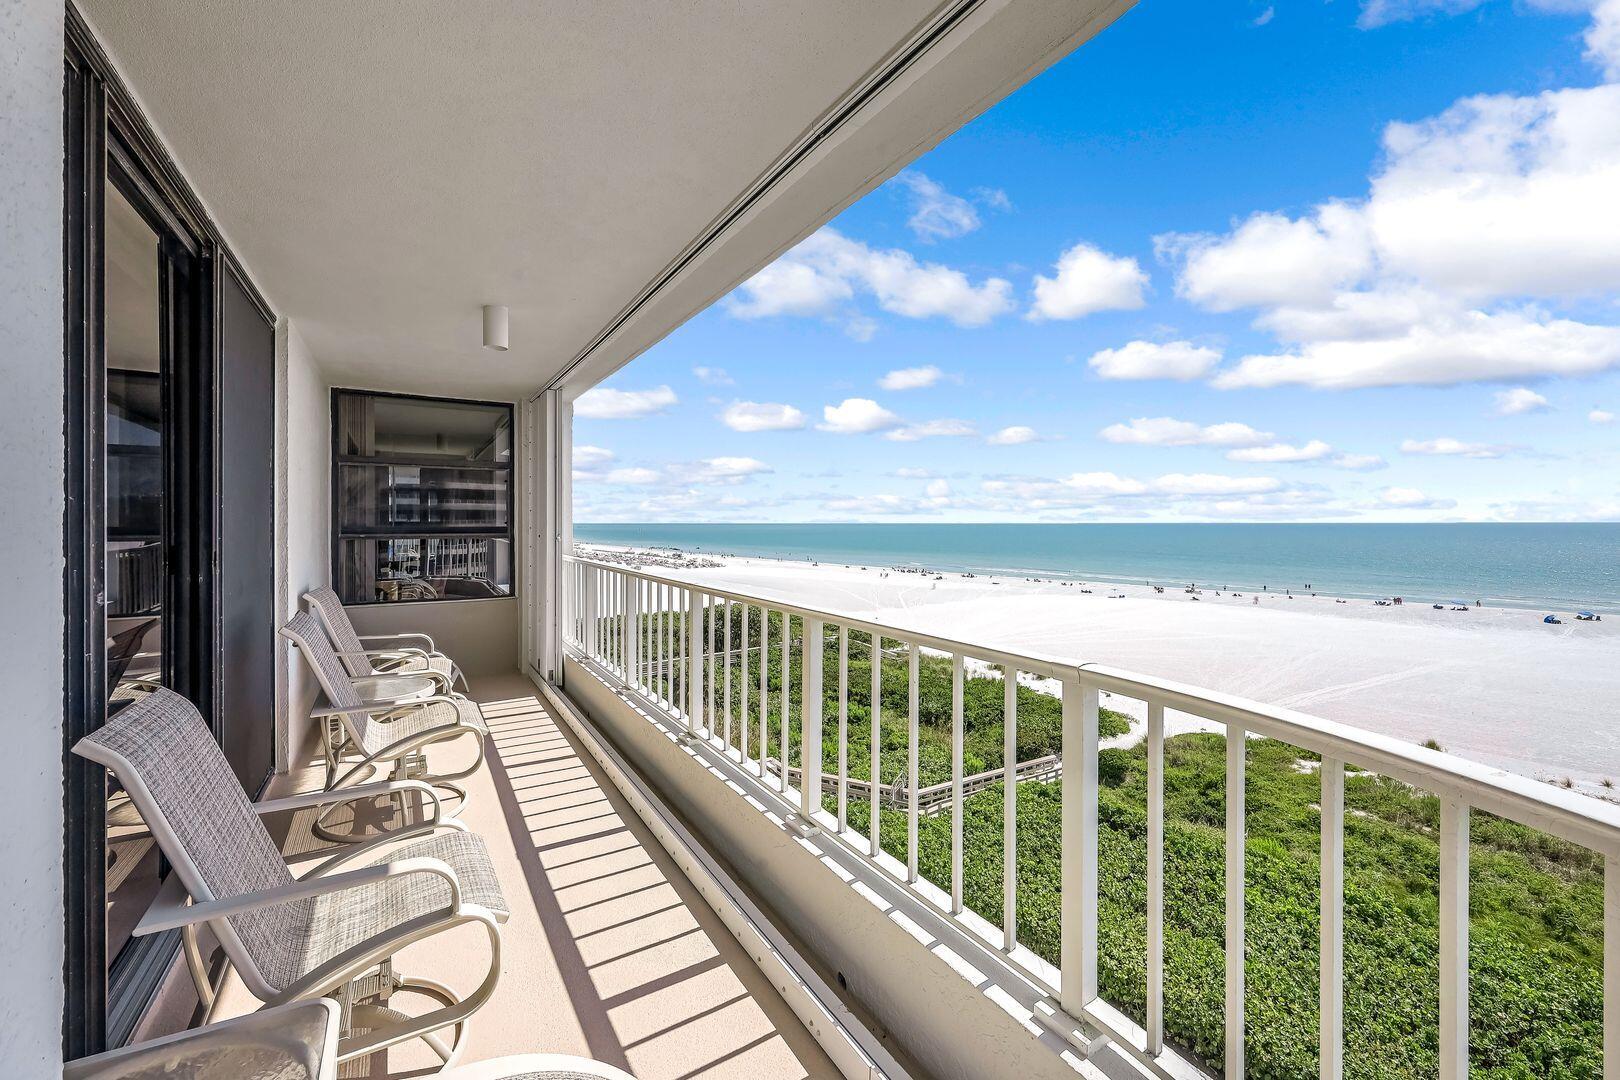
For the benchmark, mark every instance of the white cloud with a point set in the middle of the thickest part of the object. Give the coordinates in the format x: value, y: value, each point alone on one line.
x: 1314, y: 450
x: 857, y: 416
x: 634, y: 476
x: 1213, y: 484
x: 936, y: 214
x: 912, y: 378
x: 1358, y: 462
x: 1376, y: 13
x: 1469, y: 347
x: 1477, y: 218
x: 1518, y: 401
x: 1088, y: 280
x: 1264, y: 17
x: 937, y: 489
x: 1165, y: 431
x: 1092, y: 485
x: 1405, y: 498
x: 761, y: 416
x: 714, y: 376
x: 878, y: 505
x: 827, y: 270
x: 1180, y: 360
x: 721, y: 470
x: 602, y: 403
x: 1271, y: 260
x: 789, y: 287
x: 1448, y: 447
x: 994, y: 198
x: 590, y: 460
x: 1015, y: 435
x: 1108, y: 484
x: 1600, y: 416
x: 912, y: 473
x: 1503, y: 195
x: 930, y: 429
x: 1603, y: 37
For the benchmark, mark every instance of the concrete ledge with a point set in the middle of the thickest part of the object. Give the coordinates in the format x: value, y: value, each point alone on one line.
x: 928, y: 1003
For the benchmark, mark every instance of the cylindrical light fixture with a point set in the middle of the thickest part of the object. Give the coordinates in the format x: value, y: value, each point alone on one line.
x: 495, y: 327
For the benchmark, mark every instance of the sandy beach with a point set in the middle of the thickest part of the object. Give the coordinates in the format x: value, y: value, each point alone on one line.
x: 1493, y: 684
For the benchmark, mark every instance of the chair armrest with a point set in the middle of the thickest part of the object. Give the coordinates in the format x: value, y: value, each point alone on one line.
x: 378, y: 706
x: 165, y: 914
x: 390, y: 654
x: 347, y: 794
x: 364, y: 850
x: 400, y: 637
x: 302, y: 1033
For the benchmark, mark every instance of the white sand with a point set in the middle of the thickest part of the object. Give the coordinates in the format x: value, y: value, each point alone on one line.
x: 1492, y: 684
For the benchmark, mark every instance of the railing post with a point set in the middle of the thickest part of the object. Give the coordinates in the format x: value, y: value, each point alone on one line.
x: 634, y: 584
x: 588, y: 637
x: 843, y: 727
x: 1331, y: 1022
x: 1078, y: 929
x: 787, y: 697
x: 627, y: 630
x: 1611, y: 967
x: 810, y: 706
x: 956, y: 783
x: 1453, y: 940
x: 876, y: 736
x: 693, y: 638
x: 914, y: 656
x: 1009, y: 808
x: 1237, y: 748
x: 1155, y: 879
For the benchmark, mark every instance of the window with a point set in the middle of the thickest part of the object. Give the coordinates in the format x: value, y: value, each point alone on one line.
x: 422, y: 498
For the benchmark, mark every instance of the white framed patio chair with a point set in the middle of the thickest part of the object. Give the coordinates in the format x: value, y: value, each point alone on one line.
x: 362, y: 737
x: 332, y: 932
x: 395, y: 659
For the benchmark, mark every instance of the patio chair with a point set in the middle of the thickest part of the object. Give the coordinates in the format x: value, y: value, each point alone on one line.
x: 388, y: 733
x: 394, y: 660
x: 332, y: 932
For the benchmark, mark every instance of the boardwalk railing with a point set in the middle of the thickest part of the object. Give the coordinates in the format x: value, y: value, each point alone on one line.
x: 680, y: 647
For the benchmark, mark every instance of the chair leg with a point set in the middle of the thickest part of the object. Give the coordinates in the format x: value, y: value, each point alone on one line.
x: 374, y: 1026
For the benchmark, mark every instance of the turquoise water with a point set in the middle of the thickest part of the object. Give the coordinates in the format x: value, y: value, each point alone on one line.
x: 1556, y: 566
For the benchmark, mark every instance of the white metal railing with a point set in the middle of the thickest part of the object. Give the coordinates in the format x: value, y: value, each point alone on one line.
x: 668, y: 640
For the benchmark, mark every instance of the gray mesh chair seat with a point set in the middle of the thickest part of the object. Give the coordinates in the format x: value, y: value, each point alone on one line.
x: 288, y: 937
x: 340, y: 921
x: 416, y: 665
x: 395, y: 660
x: 412, y: 722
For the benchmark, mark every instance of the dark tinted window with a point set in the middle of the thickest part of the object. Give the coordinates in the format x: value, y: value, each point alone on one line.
x: 422, y: 493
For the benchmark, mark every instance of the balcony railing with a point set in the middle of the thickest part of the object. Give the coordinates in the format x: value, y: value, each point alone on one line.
x: 688, y: 650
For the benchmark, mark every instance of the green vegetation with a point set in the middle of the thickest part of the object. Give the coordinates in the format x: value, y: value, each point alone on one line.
x: 1536, y: 902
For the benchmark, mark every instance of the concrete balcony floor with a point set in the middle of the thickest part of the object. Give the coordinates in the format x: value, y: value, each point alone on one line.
x: 609, y: 953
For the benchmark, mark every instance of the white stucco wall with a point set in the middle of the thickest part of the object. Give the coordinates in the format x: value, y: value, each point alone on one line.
x: 31, y: 442
x: 302, y: 514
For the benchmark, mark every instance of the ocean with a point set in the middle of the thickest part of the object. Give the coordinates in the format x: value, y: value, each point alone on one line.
x: 1561, y: 567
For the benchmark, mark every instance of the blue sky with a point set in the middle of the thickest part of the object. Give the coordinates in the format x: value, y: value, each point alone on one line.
x: 1228, y: 261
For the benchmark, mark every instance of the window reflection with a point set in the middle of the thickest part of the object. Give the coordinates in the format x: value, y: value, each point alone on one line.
x: 134, y: 579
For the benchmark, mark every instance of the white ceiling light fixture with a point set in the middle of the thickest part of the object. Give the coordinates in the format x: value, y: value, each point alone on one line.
x: 495, y: 327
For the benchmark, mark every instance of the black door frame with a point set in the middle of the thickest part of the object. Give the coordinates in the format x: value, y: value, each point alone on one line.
x: 109, y: 140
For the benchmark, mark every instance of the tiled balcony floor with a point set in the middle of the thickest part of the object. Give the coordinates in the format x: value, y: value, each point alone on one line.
x: 609, y: 953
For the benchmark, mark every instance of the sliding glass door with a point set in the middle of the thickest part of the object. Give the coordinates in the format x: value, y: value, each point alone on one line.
x: 168, y: 538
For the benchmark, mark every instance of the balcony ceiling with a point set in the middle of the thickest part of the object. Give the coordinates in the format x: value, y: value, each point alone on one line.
x: 385, y: 168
